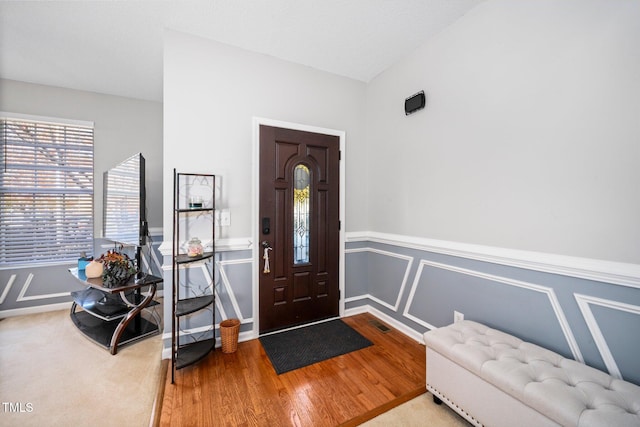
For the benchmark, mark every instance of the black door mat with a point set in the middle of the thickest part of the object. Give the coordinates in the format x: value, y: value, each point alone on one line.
x: 305, y: 346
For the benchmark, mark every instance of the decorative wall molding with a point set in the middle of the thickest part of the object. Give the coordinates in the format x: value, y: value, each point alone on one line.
x: 211, y: 285
x: 549, y: 292
x: 228, y: 287
x: 405, y: 278
x: 38, y: 279
x: 25, y: 287
x: 358, y: 298
x: 152, y: 260
x: 584, y: 302
x: 7, y: 288
x: 617, y: 273
x: 225, y: 282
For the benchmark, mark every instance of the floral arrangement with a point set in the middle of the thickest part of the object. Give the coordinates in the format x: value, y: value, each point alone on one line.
x: 118, y: 268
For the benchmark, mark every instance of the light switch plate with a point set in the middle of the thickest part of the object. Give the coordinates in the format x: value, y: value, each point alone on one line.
x: 225, y: 218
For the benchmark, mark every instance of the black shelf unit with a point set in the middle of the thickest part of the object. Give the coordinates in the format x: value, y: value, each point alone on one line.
x: 188, y: 353
x: 112, y: 317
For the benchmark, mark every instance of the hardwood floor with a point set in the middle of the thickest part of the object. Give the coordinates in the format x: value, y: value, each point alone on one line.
x: 242, y: 388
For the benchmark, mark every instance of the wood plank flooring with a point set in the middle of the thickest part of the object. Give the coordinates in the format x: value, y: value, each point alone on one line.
x: 242, y: 388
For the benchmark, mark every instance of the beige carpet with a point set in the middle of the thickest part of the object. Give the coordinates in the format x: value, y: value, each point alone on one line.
x: 419, y: 412
x: 48, y: 365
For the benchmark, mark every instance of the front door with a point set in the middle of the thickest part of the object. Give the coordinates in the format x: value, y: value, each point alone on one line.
x: 299, y: 227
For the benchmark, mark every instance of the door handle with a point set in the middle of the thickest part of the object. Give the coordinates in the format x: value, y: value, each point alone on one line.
x: 266, y: 225
x: 267, y: 247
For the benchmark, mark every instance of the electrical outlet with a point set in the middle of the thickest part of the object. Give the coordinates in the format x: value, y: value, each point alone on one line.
x: 457, y: 316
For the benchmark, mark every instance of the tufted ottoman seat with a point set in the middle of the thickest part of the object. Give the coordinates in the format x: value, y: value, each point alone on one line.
x: 495, y: 379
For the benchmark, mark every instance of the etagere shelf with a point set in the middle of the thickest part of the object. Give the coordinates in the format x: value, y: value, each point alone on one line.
x: 193, y: 211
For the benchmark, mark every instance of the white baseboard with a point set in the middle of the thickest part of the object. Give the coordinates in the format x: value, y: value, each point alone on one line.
x: 243, y: 336
x: 34, y: 310
x: 415, y: 335
x: 45, y: 308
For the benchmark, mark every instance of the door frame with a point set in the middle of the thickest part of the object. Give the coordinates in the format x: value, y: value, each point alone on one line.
x: 255, y: 206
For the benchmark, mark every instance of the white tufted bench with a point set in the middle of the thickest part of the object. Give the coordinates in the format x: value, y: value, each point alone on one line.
x: 495, y: 379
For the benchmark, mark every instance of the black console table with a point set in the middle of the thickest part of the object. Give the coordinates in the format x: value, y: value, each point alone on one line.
x: 102, y: 307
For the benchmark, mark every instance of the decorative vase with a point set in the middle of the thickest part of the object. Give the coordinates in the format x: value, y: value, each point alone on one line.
x: 195, y: 247
x: 93, y: 270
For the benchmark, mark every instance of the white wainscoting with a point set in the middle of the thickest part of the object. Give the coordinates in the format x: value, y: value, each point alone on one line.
x: 603, y: 271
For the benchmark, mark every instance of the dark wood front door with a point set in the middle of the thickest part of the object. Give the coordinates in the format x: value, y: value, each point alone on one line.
x: 299, y: 221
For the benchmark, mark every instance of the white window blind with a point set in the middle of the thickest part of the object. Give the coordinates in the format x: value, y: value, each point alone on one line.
x: 46, y: 191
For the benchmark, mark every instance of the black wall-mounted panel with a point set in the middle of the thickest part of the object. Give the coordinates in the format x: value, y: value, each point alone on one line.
x: 414, y: 103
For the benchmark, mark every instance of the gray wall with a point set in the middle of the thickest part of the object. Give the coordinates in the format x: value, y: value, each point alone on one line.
x: 506, y: 196
x: 529, y: 139
x: 122, y: 127
x: 510, y: 198
x: 418, y: 288
x: 510, y: 194
x: 528, y: 143
x: 213, y: 91
x: 34, y: 289
x: 415, y: 285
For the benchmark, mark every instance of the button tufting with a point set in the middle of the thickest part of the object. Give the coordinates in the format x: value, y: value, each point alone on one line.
x: 554, y: 379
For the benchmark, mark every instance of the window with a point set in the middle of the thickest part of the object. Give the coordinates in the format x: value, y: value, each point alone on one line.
x: 301, y: 193
x: 46, y: 190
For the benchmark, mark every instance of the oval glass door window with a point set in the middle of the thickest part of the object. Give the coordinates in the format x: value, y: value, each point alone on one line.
x: 301, y: 204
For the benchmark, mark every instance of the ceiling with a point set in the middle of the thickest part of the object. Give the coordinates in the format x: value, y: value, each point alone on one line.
x: 115, y: 47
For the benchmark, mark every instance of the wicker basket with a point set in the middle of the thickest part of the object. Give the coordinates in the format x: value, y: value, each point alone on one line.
x: 229, y: 330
